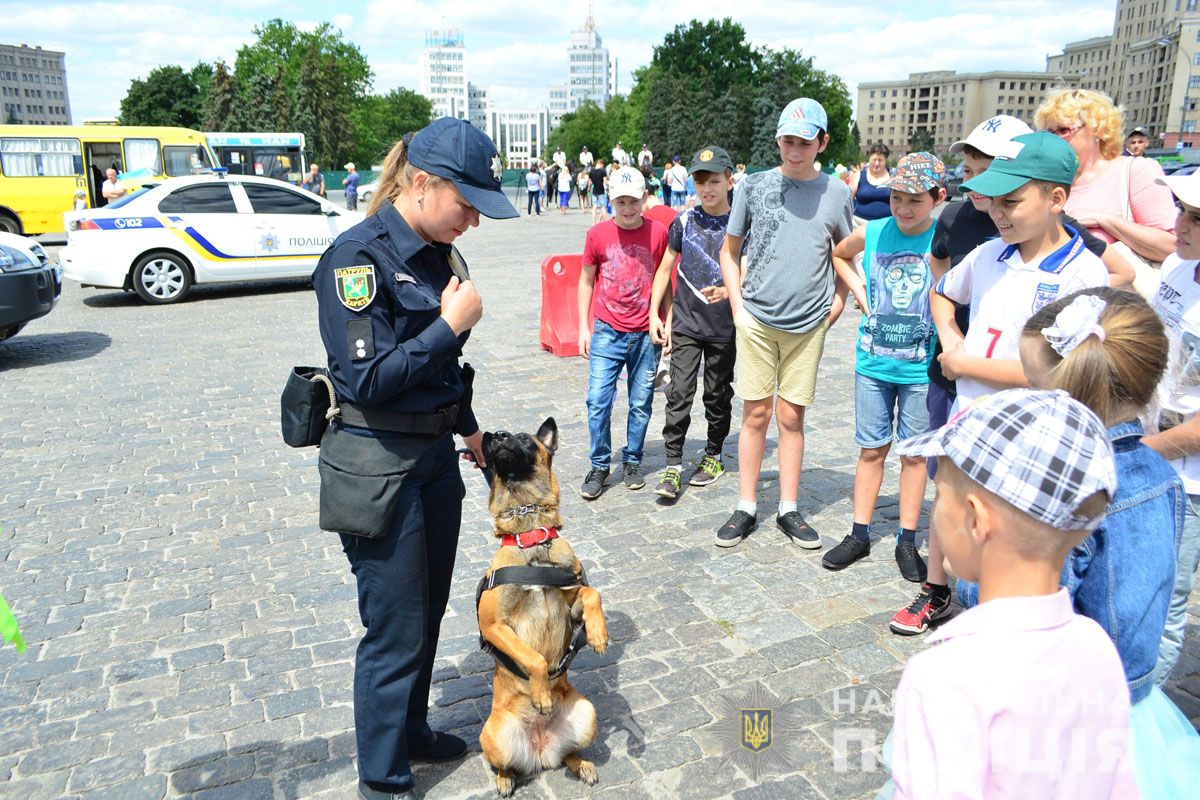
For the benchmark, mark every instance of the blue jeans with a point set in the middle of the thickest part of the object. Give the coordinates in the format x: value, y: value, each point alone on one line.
x: 613, y: 350
x: 1185, y: 575
x: 534, y: 202
x: 882, y: 406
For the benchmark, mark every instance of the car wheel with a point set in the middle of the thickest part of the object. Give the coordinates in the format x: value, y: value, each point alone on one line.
x: 8, y: 333
x: 366, y: 198
x: 161, y: 278
x: 9, y: 224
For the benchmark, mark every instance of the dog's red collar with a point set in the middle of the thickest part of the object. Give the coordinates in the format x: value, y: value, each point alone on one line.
x: 529, y: 538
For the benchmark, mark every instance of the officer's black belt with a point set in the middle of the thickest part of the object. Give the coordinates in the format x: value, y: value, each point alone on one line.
x: 379, y: 419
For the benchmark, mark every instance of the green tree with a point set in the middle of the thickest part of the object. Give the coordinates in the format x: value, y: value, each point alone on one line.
x: 920, y: 140
x: 167, y: 96
x: 282, y: 44
x: 223, y: 101
x: 586, y: 126
x: 716, y: 51
x: 380, y: 121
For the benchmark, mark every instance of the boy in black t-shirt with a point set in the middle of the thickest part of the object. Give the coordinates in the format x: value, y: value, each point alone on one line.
x: 700, y: 323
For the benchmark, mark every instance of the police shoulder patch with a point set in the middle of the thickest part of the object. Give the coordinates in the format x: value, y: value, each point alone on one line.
x: 356, y: 286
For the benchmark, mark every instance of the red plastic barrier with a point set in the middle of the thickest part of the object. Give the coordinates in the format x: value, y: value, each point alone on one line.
x: 560, y: 304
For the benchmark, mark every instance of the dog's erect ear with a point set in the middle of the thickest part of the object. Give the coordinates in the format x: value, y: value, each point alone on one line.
x: 548, y: 434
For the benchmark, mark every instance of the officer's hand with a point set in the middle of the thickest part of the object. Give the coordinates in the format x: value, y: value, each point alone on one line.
x: 474, y: 443
x: 462, y: 307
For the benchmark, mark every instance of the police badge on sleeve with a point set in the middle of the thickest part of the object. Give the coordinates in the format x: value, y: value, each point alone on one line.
x: 356, y: 286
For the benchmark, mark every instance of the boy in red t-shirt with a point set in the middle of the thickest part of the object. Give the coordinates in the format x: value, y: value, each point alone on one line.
x: 619, y: 260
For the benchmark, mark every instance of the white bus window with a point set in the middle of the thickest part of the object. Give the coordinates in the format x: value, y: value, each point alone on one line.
x: 143, y: 154
x: 185, y: 160
x: 31, y: 158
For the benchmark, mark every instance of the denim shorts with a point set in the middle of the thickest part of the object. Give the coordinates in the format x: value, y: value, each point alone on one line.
x: 875, y: 405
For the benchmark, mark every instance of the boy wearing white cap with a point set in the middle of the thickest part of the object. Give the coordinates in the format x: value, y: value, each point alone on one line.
x: 794, y: 216
x: 619, y: 260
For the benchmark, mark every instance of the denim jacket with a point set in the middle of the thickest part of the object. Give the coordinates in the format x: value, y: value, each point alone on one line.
x: 1121, y: 576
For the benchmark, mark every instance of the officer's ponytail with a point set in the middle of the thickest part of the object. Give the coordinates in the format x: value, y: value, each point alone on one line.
x: 397, y: 175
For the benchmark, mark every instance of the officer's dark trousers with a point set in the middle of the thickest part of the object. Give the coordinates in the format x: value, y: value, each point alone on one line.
x: 719, y: 358
x: 403, y: 586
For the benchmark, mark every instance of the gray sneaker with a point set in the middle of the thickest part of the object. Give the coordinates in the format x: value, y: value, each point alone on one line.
x: 593, y: 484
x: 633, y: 475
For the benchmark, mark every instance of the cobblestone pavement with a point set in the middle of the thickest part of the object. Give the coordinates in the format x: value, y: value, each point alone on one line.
x: 191, y: 630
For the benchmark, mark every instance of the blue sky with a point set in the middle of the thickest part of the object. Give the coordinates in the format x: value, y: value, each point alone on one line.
x: 519, y: 48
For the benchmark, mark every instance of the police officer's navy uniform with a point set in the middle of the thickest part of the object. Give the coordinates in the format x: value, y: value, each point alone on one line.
x: 394, y: 353
x: 390, y: 484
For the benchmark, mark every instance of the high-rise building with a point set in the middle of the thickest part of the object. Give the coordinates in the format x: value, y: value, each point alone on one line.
x: 589, y: 68
x: 479, y: 106
x: 444, y: 73
x: 33, y: 86
x: 1150, y: 66
x: 946, y: 105
x: 558, y: 100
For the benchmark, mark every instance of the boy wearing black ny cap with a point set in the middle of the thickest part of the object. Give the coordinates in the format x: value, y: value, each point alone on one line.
x: 700, y: 324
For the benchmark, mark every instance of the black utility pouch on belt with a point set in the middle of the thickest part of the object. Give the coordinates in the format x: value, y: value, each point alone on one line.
x: 307, y: 404
x: 361, y: 478
x: 464, y: 405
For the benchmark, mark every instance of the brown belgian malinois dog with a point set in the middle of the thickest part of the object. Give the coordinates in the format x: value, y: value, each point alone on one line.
x: 529, y: 618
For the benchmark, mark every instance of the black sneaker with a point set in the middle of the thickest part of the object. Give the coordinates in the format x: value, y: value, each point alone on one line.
x: 850, y: 550
x: 593, y: 484
x: 911, y: 565
x: 799, y: 531
x: 368, y: 792
x: 633, y: 476
x: 737, y: 528
x: 444, y: 747
x: 668, y: 487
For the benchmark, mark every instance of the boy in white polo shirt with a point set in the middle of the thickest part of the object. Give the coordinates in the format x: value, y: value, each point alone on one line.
x: 1005, y: 280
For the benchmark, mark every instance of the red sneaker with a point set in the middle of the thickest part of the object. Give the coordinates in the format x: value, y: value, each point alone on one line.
x: 920, y: 613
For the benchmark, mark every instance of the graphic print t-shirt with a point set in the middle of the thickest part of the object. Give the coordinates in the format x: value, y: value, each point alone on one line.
x: 698, y: 236
x: 625, y: 262
x: 1178, y: 303
x: 792, y: 227
x: 895, y: 339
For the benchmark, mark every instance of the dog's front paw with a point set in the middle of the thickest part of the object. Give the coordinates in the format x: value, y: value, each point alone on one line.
x: 587, y: 773
x: 541, y: 697
x: 505, y: 785
x: 598, y: 637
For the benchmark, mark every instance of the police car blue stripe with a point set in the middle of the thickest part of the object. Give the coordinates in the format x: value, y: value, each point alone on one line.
x: 126, y: 223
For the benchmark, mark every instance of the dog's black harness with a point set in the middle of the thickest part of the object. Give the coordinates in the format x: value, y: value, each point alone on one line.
x: 532, y: 576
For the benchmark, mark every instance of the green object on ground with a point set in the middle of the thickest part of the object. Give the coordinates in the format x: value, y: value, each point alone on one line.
x: 8, y: 626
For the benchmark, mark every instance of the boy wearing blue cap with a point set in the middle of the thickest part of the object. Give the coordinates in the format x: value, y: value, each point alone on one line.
x: 794, y: 216
x: 1004, y: 281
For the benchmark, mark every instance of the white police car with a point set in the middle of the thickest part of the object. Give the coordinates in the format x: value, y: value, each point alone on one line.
x: 163, y: 238
x: 30, y: 283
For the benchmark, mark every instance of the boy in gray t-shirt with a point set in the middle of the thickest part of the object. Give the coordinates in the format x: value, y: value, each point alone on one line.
x: 794, y: 216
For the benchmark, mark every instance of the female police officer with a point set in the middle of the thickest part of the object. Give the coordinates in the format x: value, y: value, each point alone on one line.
x: 396, y: 307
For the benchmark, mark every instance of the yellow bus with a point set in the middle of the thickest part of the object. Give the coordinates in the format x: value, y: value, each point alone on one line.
x: 42, y: 167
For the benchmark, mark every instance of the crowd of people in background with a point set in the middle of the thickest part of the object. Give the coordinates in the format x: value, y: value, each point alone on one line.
x: 1031, y: 349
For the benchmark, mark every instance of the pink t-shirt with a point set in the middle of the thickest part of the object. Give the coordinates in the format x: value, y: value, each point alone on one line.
x: 625, y: 262
x: 1149, y: 203
x: 1021, y: 698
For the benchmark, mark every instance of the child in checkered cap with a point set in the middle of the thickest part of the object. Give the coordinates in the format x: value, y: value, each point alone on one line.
x: 1108, y: 349
x: 1023, y: 697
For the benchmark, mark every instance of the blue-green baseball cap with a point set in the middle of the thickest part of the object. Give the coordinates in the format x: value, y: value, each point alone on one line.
x: 1040, y: 156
